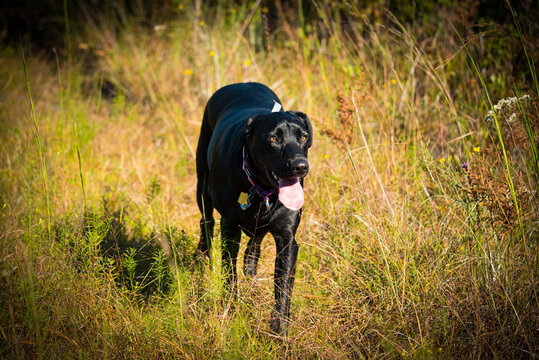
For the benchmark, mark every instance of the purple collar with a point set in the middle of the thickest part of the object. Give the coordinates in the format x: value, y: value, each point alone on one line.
x: 263, y: 193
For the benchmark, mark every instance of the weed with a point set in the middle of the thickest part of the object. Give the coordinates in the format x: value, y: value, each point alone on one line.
x: 403, y: 251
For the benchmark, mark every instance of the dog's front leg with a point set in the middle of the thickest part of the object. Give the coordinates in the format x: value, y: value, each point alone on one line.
x: 285, y: 269
x: 230, y: 244
x: 252, y: 254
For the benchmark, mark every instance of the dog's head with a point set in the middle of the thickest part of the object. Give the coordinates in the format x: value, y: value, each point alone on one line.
x: 277, y: 145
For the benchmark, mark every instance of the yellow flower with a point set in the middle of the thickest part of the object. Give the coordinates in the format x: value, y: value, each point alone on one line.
x: 247, y: 63
x: 201, y: 23
x: 393, y: 81
x: 212, y: 53
x: 326, y: 156
x: 265, y: 10
x: 441, y: 160
x: 180, y: 7
x: 477, y: 149
x: 188, y: 72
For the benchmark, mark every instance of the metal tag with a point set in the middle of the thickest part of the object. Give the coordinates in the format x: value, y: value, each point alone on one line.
x: 243, y: 200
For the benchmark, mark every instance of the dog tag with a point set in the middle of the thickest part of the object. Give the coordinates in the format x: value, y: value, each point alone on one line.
x: 243, y: 200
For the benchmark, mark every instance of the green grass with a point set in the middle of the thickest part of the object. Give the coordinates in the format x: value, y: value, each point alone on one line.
x: 403, y: 252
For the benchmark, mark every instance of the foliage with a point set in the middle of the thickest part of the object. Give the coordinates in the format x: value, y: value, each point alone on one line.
x: 419, y: 234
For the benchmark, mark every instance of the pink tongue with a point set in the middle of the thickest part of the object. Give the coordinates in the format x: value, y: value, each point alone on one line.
x: 291, y: 193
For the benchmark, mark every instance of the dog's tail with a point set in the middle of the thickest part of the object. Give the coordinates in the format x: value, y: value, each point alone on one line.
x: 204, y: 201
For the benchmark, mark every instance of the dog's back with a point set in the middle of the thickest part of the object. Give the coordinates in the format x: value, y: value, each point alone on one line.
x: 238, y: 102
x: 228, y: 106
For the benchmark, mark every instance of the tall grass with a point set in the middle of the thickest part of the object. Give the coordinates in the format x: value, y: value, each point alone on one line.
x: 501, y: 142
x: 418, y: 236
x: 39, y: 146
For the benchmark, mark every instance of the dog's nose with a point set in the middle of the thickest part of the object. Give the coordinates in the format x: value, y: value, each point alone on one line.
x: 300, y: 168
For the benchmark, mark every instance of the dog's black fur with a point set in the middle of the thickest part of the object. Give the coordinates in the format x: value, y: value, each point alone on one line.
x: 237, y: 121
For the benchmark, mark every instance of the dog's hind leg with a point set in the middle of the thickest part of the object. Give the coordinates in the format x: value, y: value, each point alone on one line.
x: 206, y: 223
x: 230, y: 244
x: 252, y: 254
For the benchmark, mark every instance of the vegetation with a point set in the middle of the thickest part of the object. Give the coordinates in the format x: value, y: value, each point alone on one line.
x: 419, y: 235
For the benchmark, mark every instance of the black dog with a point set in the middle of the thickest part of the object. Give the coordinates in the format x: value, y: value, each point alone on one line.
x: 251, y: 161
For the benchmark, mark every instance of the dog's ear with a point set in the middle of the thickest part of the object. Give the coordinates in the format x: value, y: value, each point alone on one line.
x: 249, y: 125
x: 307, y: 122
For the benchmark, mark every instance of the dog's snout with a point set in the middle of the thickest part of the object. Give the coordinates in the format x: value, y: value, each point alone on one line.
x: 300, y: 168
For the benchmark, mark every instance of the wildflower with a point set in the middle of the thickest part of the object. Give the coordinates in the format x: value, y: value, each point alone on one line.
x: 512, y: 118
x: 180, y: 7
x: 393, y: 81
x: 188, y: 72
x: 212, y: 53
x: 159, y: 28
x: 265, y: 10
x: 504, y: 103
x: 201, y: 23
x: 477, y: 149
x: 441, y: 160
x: 247, y: 63
x: 326, y: 156
x: 465, y: 166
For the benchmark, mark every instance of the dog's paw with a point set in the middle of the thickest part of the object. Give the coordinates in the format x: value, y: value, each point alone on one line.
x: 278, y: 324
x: 250, y: 271
x: 200, y: 257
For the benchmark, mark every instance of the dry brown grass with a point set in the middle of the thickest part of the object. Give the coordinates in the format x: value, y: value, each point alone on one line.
x: 402, y: 254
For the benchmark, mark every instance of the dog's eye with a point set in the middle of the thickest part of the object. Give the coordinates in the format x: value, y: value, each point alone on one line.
x: 303, y: 138
x: 273, y: 138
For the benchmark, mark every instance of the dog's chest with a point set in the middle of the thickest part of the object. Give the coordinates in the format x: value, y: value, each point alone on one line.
x: 254, y: 213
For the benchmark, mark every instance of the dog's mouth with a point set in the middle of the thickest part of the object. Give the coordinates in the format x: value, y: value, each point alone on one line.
x: 290, y: 191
